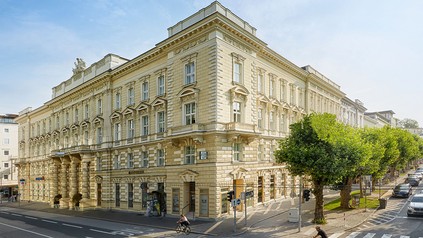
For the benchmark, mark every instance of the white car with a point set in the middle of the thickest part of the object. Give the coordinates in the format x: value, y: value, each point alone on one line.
x: 415, y: 208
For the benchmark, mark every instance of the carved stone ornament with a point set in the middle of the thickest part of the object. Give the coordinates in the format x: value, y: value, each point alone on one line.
x: 79, y: 66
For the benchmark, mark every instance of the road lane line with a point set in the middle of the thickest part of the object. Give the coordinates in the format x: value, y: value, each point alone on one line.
x: 18, y: 228
x: 386, y: 236
x: 55, y: 222
x: 213, y: 227
x: 16, y: 215
x: 65, y: 224
x: 104, y: 232
x: 33, y: 218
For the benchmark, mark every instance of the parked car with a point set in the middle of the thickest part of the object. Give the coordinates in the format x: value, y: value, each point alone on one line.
x: 418, y: 175
x: 419, y: 170
x: 415, y: 208
x: 402, y: 190
x: 412, y: 180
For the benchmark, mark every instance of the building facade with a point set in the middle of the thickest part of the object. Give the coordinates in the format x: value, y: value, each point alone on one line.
x: 175, y: 128
x: 8, y: 155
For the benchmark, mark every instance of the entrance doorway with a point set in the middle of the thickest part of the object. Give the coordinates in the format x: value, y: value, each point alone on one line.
x: 99, y: 194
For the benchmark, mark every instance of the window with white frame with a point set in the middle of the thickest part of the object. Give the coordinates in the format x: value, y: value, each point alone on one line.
x: 260, y: 83
x: 6, y: 130
x: 144, y: 89
x: 5, y: 152
x: 118, y: 99
x: 189, y: 113
x: 144, y: 125
x: 66, y: 118
x: 57, y: 123
x: 118, y: 133
x: 6, y: 141
x: 131, y: 130
x: 161, y: 85
x: 144, y: 159
x: 87, y: 111
x: 292, y: 94
x: 282, y: 122
x: 237, y: 72
x: 272, y: 119
x: 189, y: 73
x: 130, y: 161
x: 237, y: 152
x: 75, y: 117
x: 131, y: 96
x: 236, y: 111
x: 260, y: 118
x: 160, y: 157
x: 86, y: 138
x: 272, y: 88
x: 189, y: 156
x: 272, y: 152
x: 160, y: 122
x: 99, y: 135
x: 6, y: 165
x: 99, y: 106
x: 116, y: 162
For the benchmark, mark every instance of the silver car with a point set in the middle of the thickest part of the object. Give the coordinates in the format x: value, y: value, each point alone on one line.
x: 415, y: 208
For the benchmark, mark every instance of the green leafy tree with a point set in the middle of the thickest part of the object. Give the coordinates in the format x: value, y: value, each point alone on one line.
x: 308, y: 151
x: 409, y: 123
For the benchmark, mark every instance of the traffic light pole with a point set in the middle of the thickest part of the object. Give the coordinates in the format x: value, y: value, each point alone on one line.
x: 234, y: 197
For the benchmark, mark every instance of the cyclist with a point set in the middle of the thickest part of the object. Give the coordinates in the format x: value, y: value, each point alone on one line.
x: 183, y: 221
x: 320, y: 233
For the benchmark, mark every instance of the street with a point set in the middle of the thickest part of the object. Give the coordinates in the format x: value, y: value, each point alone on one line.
x: 26, y: 223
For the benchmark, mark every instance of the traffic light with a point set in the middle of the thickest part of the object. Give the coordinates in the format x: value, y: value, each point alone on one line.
x: 230, y: 195
x: 306, y: 194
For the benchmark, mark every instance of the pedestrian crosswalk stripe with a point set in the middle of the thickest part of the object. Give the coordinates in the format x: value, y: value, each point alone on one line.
x: 386, y: 236
x: 369, y: 235
x: 354, y: 234
x: 404, y: 237
x: 336, y: 235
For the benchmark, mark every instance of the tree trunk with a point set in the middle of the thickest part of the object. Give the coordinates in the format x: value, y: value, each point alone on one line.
x: 346, y: 193
x: 319, y: 216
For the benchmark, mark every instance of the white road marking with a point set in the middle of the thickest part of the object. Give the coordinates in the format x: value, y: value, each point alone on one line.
x: 65, y: 224
x: 33, y: 218
x: 55, y: 222
x: 104, y: 232
x: 18, y: 228
x: 386, y: 236
x: 16, y: 215
x: 369, y: 235
x: 354, y: 234
x: 336, y: 235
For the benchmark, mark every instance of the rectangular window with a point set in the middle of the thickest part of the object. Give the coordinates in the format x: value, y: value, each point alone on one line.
x: 236, y: 152
x: 6, y: 165
x: 160, y: 157
x: 144, y: 91
x: 131, y: 131
x: 116, y: 162
x: 118, y: 134
x: 144, y: 194
x: 190, y: 73
x: 6, y: 152
x: 130, y: 161
x: 131, y: 96
x: 144, y: 127
x: 175, y: 200
x: 189, y: 155
x: 99, y: 135
x: 117, y: 195
x: 237, y: 77
x: 117, y: 101
x: 99, y: 107
x: 260, y: 82
x: 189, y: 113
x: 6, y: 141
x: 260, y: 152
x: 160, y: 122
x: 57, y: 123
x: 272, y: 88
x: 260, y: 118
x: 272, y: 120
x: 75, y: 121
x: 144, y: 159
x: 161, y: 85
x: 6, y: 130
x: 130, y: 195
x: 237, y: 112
x: 87, y: 112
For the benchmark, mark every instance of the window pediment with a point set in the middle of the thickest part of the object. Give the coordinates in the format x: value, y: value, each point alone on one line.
x: 128, y: 111
x: 143, y: 107
x: 116, y: 115
x: 263, y: 99
x: 85, y: 123
x: 188, y: 175
x: 159, y: 102
x: 188, y: 92
x: 97, y: 120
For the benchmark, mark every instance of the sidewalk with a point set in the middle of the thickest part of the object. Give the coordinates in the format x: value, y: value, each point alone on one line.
x: 261, y: 220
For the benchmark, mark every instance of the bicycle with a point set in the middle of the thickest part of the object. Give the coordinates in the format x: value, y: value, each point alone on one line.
x: 181, y: 228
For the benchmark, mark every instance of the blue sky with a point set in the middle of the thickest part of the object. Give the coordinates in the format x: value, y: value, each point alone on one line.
x: 372, y: 49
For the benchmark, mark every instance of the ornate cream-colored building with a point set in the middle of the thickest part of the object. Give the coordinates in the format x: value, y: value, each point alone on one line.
x: 179, y: 126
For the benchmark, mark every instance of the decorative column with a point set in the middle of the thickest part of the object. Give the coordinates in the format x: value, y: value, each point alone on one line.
x: 54, y: 182
x: 73, y: 174
x: 85, y: 163
x: 64, y: 202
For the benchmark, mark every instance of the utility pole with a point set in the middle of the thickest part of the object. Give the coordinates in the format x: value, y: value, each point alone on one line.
x: 234, y: 206
x: 299, y: 203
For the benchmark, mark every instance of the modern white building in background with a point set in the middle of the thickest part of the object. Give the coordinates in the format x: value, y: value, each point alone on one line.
x: 8, y: 154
